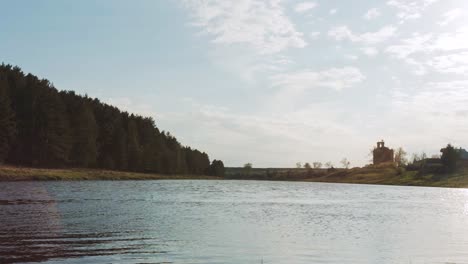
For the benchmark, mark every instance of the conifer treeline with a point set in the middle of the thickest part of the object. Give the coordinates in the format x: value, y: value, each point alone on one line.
x: 43, y: 127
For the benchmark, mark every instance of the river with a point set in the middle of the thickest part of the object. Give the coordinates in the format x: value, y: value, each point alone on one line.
x: 234, y: 222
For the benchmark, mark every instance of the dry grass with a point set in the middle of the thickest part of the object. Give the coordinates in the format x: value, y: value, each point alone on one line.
x: 390, y: 175
x: 11, y: 173
x: 383, y: 174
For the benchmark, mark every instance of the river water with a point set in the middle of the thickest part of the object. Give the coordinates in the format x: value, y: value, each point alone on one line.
x: 185, y: 221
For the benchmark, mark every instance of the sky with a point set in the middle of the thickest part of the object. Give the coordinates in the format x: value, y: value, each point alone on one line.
x: 270, y: 82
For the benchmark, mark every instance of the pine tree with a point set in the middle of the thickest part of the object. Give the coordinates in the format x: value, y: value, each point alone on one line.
x: 7, y: 120
x: 133, y: 146
x: 52, y: 142
x: 84, y: 151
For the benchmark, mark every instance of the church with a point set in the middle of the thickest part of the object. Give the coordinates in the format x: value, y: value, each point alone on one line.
x: 382, y: 154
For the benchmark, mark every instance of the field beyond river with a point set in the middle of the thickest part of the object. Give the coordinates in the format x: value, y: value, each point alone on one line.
x: 384, y: 175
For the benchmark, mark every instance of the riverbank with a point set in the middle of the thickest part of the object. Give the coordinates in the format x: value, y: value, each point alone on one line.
x: 383, y: 175
x: 11, y: 173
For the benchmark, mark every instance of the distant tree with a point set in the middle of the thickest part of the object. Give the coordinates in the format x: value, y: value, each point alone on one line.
x: 307, y: 165
x: 247, y: 168
x: 435, y: 156
x: 415, y: 157
x: 329, y: 164
x: 345, y: 163
x: 298, y: 165
x: 317, y: 165
x: 7, y: 120
x: 423, y: 155
x: 400, y: 157
x: 449, y: 158
x: 216, y: 168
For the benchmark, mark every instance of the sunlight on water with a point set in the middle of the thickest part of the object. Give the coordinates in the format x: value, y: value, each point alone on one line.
x: 231, y: 222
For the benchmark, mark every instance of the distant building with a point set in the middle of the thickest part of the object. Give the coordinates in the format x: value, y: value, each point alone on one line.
x: 382, y: 154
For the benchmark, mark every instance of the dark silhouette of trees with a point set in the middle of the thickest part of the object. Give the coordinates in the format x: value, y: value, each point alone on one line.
x: 40, y: 126
x: 216, y: 168
x: 449, y: 158
x: 7, y: 120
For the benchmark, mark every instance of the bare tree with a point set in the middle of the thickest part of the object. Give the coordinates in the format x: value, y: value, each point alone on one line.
x: 298, y: 165
x: 423, y: 155
x: 329, y: 164
x: 400, y: 157
x: 307, y: 165
x: 345, y: 162
x: 317, y: 165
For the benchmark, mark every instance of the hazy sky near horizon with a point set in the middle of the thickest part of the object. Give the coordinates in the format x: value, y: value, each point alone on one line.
x: 269, y: 82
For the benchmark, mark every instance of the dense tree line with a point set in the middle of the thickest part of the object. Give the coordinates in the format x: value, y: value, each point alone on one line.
x: 43, y: 127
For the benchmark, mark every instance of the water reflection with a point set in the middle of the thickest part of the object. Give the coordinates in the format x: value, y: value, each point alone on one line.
x: 31, y: 229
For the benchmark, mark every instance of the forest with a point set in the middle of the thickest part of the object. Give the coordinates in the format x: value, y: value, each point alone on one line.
x: 41, y: 126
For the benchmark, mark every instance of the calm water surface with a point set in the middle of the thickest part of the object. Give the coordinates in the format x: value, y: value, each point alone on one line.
x: 230, y: 222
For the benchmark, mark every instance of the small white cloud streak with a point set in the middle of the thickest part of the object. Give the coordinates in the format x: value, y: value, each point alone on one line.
x: 410, y: 10
x: 334, y: 78
x: 314, y: 35
x: 371, y: 14
x: 344, y: 33
x: 304, y: 7
x: 450, y: 16
x: 370, y: 51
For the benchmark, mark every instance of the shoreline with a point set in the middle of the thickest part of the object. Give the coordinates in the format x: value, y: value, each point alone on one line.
x: 352, y: 176
x: 12, y: 173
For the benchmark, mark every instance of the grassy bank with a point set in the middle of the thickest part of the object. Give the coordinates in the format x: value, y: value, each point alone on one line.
x: 386, y: 175
x: 383, y: 174
x: 10, y: 173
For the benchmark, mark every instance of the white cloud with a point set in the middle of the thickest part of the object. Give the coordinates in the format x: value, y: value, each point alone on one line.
x: 452, y: 63
x: 351, y: 57
x: 334, y: 78
x: 261, y: 25
x: 343, y: 32
x: 444, y: 53
x: 314, y: 35
x: 333, y: 11
x: 450, y: 16
x: 370, y: 51
x: 304, y: 6
x: 408, y: 10
x: 416, y: 43
x: 455, y: 40
x: 372, y: 14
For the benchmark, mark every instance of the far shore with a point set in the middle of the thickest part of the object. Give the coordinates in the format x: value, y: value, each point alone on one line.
x: 378, y: 176
x: 12, y: 173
